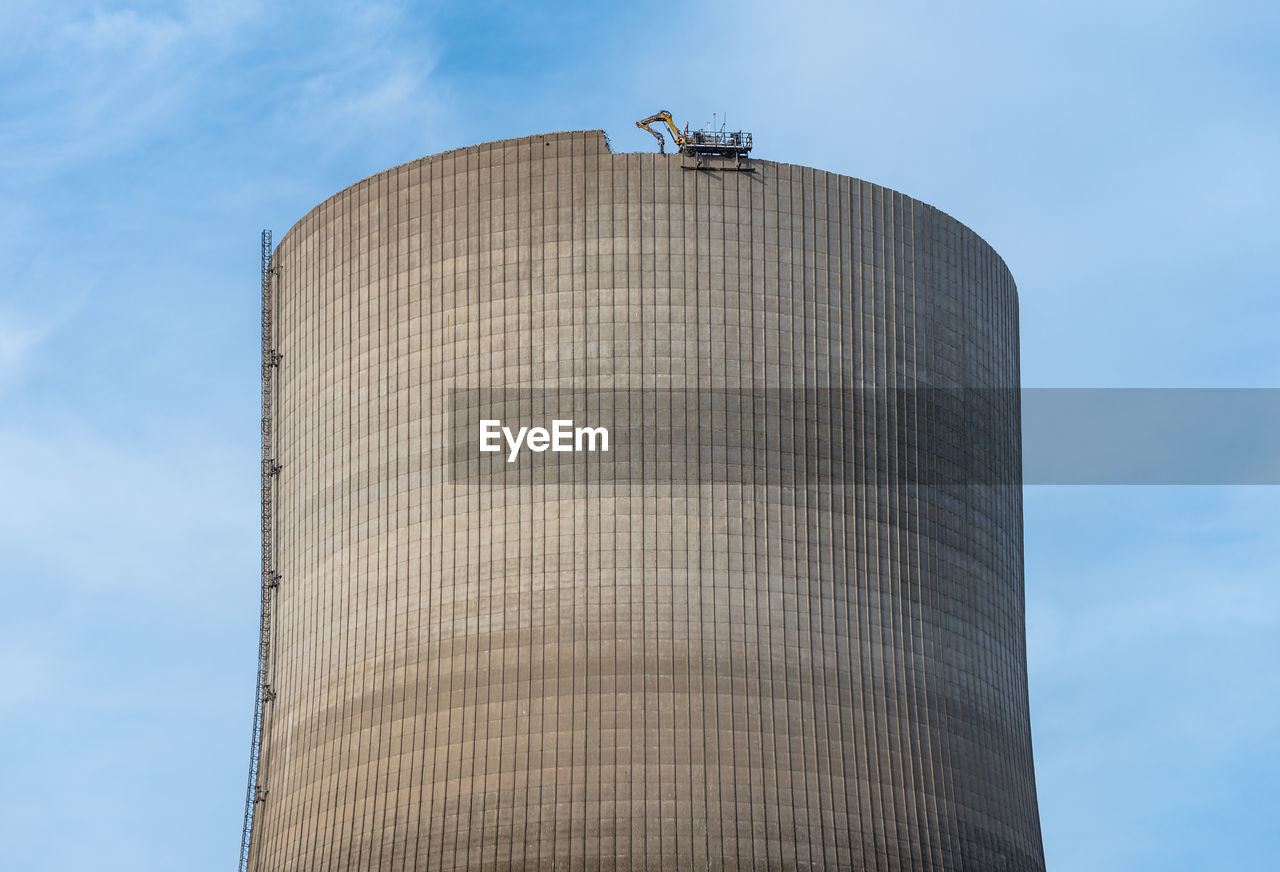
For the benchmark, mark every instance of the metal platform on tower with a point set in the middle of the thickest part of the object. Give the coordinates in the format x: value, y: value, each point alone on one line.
x: 700, y: 144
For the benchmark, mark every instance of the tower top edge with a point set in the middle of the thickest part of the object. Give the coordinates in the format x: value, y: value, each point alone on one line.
x: 595, y: 143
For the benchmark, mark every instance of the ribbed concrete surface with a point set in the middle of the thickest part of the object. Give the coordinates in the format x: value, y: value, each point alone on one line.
x: 682, y: 675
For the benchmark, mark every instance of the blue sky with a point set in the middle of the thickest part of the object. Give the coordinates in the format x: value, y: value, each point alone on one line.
x: 1123, y: 158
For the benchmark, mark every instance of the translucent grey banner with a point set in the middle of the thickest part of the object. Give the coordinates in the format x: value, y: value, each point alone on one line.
x: 880, y: 436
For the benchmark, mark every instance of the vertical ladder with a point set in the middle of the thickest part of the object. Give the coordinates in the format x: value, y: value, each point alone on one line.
x: 264, y: 693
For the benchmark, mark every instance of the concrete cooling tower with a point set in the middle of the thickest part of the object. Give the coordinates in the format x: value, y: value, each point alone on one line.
x: 775, y: 623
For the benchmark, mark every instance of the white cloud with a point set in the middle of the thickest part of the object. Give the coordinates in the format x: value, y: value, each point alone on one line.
x: 363, y: 81
x: 148, y: 516
x: 23, y: 333
x: 87, y: 82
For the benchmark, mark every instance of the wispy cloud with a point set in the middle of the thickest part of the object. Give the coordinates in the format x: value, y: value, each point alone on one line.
x: 363, y: 83
x: 122, y: 511
x: 88, y: 81
x: 16, y: 342
x: 23, y: 332
x: 1121, y: 158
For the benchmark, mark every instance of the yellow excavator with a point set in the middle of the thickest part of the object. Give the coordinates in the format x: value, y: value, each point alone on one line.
x: 699, y: 142
x: 676, y: 136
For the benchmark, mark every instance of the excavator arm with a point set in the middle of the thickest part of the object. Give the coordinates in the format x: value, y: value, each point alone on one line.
x: 664, y: 115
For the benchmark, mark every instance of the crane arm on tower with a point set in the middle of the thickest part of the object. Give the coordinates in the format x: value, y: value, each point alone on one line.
x: 676, y: 137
